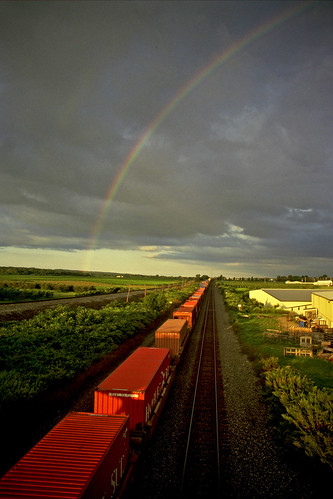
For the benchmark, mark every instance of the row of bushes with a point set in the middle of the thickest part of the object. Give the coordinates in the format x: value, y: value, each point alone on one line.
x: 238, y: 300
x: 91, y: 290
x: 303, y: 411
x: 59, y: 286
x: 8, y: 293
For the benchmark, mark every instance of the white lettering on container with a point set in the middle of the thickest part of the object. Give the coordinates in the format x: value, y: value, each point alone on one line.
x: 115, y: 476
x: 129, y: 395
x: 150, y: 405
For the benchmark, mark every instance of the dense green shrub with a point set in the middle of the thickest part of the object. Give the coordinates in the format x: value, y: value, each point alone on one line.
x: 237, y: 299
x: 9, y: 293
x: 59, y: 343
x: 156, y: 301
x: 22, y: 289
x: 307, y: 409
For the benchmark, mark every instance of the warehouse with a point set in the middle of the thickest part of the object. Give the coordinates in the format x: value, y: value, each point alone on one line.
x: 297, y: 300
x: 323, y: 302
x: 306, y: 302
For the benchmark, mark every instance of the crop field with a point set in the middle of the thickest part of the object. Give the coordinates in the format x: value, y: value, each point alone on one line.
x: 34, y: 284
x: 135, y: 281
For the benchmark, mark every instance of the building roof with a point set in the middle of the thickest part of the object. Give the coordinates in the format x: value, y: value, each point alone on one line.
x: 300, y: 295
x: 325, y: 293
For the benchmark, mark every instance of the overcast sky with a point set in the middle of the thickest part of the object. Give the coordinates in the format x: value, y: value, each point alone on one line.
x: 236, y: 178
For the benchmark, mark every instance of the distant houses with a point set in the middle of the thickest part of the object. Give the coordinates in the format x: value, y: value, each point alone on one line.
x: 326, y: 282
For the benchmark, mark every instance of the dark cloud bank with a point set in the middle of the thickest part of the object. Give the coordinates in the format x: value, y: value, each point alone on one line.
x: 239, y: 174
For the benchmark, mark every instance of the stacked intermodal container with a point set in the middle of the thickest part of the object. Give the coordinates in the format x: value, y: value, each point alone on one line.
x: 135, y: 386
x: 187, y: 313
x: 198, y: 295
x: 172, y: 335
x: 194, y: 305
x: 196, y: 298
x: 190, y: 301
x: 83, y: 456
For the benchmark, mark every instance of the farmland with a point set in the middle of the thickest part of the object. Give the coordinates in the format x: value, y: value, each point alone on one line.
x: 20, y: 284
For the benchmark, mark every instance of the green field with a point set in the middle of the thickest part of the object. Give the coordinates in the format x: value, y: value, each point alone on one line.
x: 95, y: 279
x: 67, y: 284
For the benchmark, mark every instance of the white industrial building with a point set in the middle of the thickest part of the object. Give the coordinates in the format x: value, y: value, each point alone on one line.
x: 292, y: 299
x: 322, y: 301
x: 301, y: 301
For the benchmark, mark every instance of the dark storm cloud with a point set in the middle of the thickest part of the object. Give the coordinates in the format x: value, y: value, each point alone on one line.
x: 239, y: 173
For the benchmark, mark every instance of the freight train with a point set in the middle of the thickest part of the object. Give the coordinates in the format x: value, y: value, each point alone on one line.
x: 94, y: 455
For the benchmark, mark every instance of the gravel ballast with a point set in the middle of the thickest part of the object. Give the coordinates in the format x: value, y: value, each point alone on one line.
x: 253, y: 468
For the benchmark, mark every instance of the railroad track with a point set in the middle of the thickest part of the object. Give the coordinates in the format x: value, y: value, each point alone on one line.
x: 183, y: 459
x: 202, y: 462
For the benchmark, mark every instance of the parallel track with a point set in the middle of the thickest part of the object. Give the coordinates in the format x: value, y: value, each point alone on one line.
x: 202, y: 467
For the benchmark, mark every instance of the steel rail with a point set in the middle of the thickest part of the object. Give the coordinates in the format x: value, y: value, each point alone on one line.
x: 216, y: 401
x: 204, y: 330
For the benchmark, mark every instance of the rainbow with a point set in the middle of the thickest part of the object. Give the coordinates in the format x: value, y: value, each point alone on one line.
x: 194, y: 82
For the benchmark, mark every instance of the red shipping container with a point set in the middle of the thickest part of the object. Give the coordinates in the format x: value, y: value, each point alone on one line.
x: 135, y: 386
x: 171, y: 335
x: 191, y: 302
x: 187, y: 313
x: 194, y: 305
x: 83, y: 456
x: 198, y: 297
